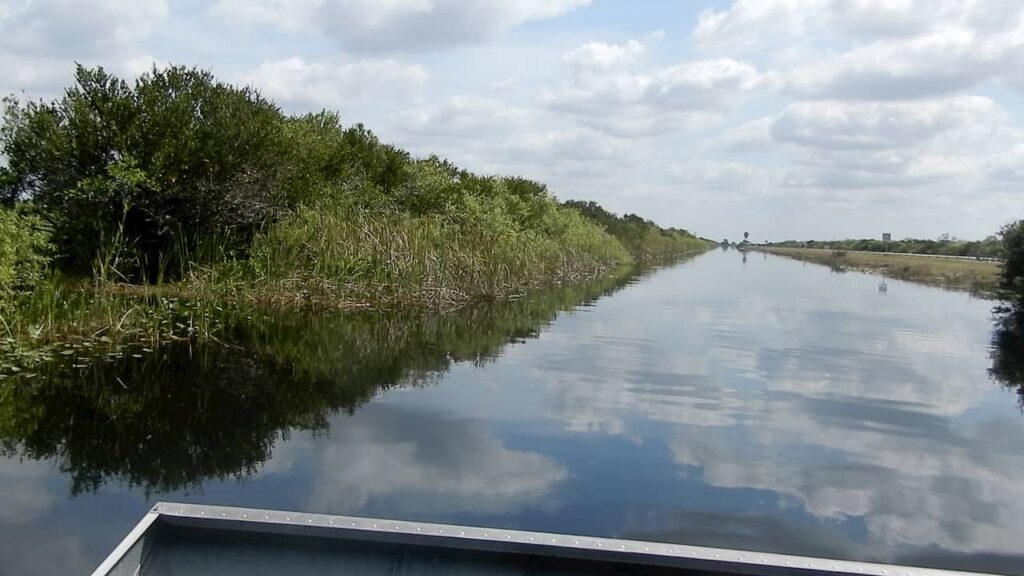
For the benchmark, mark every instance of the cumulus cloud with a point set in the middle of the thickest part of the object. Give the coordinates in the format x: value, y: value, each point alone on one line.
x: 853, y: 145
x: 872, y: 49
x: 756, y: 25
x: 839, y: 102
x: 67, y: 27
x: 601, y: 56
x: 941, y: 62
x: 40, y: 40
x: 494, y: 136
x: 837, y: 124
x: 398, y: 25
x: 333, y: 84
x: 462, y: 116
x: 689, y: 94
x: 752, y: 136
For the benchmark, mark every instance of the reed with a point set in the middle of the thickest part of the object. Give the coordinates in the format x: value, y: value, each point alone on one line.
x: 342, y: 256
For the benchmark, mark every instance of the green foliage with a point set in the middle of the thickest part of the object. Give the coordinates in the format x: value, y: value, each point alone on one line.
x: 644, y: 239
x: 480, y: 246
x: 176, y: 159
x: 1011, y: 239
x: 24, y: 252
x: 8, y: 193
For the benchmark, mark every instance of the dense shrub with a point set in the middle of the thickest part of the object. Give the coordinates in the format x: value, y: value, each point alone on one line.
x: 24, y: 251
x: 149, y: 172
x: 1011, y: 238
x: 643, y: 238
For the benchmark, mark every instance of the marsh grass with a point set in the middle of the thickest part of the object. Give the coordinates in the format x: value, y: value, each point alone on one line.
x: 86, y: 320
x: 343, y: 256
x: 332, y: 257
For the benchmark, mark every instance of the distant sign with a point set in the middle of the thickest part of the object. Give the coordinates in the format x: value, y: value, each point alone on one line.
x: 886, y: 237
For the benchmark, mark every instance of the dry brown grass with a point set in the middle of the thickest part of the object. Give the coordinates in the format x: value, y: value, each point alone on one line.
x: 978, y: 276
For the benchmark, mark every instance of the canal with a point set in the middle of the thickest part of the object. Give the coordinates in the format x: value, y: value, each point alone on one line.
x: 734, y: 401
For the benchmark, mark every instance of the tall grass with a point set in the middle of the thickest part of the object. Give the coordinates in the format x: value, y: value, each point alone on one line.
x: 341, y: 254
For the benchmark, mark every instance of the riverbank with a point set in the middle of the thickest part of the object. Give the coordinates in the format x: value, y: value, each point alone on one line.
x: 979, y: 277
x: 387, y: 271
x: 201, y: 196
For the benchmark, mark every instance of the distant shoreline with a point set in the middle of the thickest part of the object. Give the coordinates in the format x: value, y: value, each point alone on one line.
x: 980, y: 277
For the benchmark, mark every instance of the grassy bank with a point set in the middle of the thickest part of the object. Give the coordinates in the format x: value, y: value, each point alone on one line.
x: 140, y: 212
x: 981, y: 277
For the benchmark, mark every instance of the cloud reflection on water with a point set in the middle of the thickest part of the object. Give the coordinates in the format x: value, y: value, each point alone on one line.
x: 865, y: 414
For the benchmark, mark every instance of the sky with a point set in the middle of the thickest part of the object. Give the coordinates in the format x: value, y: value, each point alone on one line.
x: 788, y: 119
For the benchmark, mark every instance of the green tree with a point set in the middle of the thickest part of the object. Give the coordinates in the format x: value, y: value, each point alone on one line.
x: 1012, y: 239
x: 24, y: 251
x: 158, y: 167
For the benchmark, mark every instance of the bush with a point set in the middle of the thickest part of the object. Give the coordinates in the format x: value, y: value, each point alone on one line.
x: 149, y: 171
x: 24, y: 251
x: 1012, y: 275
x: 644, y: 239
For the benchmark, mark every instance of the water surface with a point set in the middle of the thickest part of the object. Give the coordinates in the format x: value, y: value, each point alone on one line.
x: 762, y: 404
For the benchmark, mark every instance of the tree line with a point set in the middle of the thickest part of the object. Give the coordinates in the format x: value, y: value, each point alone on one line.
x: 179, y: 176
x: 990, y: 247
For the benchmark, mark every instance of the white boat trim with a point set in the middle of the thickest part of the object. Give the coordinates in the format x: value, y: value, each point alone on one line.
x: 400, y: 532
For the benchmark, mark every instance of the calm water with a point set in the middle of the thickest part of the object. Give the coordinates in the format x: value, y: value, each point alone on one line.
x: 762, y: 404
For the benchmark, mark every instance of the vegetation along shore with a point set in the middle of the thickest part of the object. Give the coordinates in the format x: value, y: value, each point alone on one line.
x: 146, y: 212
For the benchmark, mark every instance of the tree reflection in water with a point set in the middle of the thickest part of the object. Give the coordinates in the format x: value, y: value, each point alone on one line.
x: 1008, y: 348
x: 186, y: 413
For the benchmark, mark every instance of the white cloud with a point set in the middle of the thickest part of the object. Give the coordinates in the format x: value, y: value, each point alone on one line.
x: 601, y: 56
x: 837, y: 124
x: 692, y: 94
x: 493, y: 136
x: 289, y: 15
x: 946, y: 60
x: 81, y: 29
x: 312, y: 85
x: 398, y: 25
x: 637, y: 121
x: 464, y: 116
x: 751, y: 24
x: 760, y: 24
x: 872, y: 49
x: 855, y: 146
x: 752, y: 136
x: 40, y: 40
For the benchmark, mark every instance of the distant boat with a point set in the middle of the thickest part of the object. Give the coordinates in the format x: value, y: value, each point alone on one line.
x: 186, y: 539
